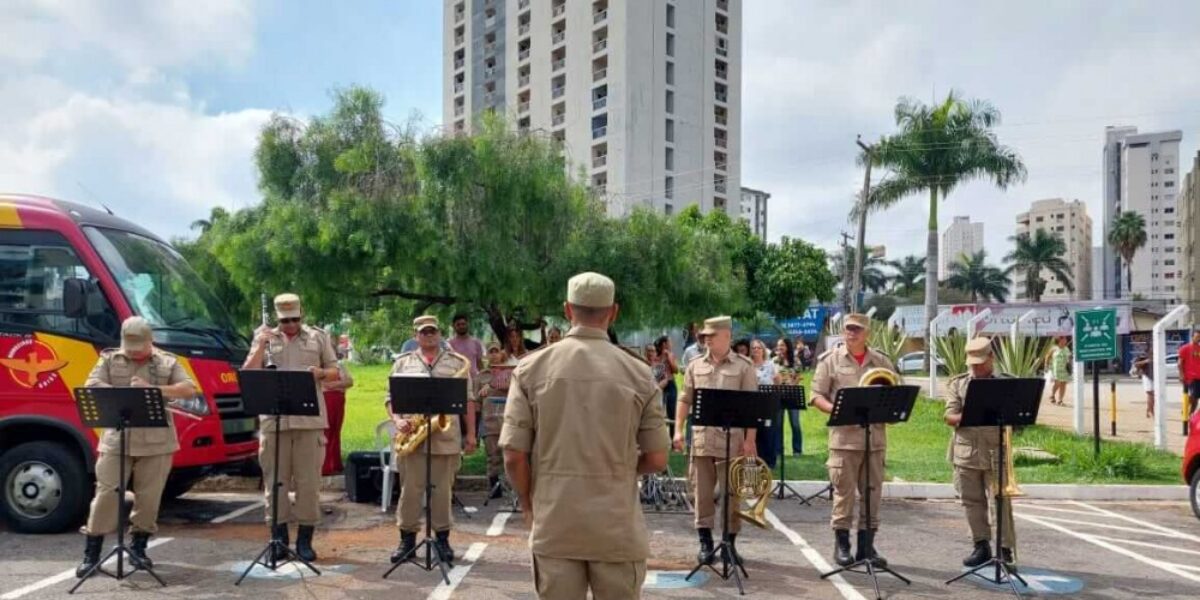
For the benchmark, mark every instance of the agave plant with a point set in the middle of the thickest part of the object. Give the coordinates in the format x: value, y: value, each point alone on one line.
x: 1022, y: 357
x: 952, y: 352
x: 888, y: 340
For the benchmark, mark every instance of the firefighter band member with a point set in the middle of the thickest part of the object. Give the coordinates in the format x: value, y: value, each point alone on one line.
x: 717, y: 368
x: 137, y: 363
x: 430, y: 359
x: 294, y: 346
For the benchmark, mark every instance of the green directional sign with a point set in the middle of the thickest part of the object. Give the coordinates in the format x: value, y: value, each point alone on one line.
x: 1096, y: 334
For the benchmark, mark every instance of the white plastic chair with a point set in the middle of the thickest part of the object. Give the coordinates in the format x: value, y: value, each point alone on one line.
x: 385, y: 432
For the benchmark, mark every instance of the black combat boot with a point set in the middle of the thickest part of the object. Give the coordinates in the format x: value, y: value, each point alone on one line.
x: 981, y: 554
x: 866, y: 548
x: 737, y: 558
x: 494, y: 487
x: 705, y: 556
x: 442, y: 545
x: 138, y: 549
x: 408, y: 543
x: 841, y: 547
x: 1010, y: 559
x: 91, y: 555
x: 304, y: 547
x: 279, y: 551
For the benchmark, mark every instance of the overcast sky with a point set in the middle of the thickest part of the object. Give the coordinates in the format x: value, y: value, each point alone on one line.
x: 153, y: 107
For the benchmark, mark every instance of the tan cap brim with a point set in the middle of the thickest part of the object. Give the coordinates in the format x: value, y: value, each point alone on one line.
x: 977, y: 360
x: 134, y: 346
x: 288, y: 314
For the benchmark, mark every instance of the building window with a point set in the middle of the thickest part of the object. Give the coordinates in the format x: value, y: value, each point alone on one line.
x: 668, y: 210
x: 670, y: 101
x: 671, y: 18
x: 1168, y: 171
x: 1168, y: 184
x: 670, y: 73
x: 670, y: 130
x: 670, y: 44
x: 1168, y: 236
x: 669, y: 187
x: 1169, y: 210
x: 669, y: 159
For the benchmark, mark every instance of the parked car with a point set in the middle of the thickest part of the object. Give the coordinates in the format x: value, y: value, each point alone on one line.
x: 1191, y: 462
x: 914, y: 362
x: 1172, y: 365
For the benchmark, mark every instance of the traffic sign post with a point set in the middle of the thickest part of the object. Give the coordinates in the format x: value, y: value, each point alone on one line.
x: 1095, y: 341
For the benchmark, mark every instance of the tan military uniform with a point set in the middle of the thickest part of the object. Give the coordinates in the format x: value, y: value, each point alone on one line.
x: 708, y: 470
x: 446, y: 449
x: 974, y: 453
x: 837, y: 369
x: 584, y: 411
x: 301, y: 439
x: 149, y: 449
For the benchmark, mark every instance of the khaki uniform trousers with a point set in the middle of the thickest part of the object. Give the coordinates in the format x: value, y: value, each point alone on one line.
x: 974, y: 486
x: 847, y: 473
x: 412, y: 494
x: 151, y: 476
x: 301, y: 453
x: 566, y: 579
x: 707, y: 473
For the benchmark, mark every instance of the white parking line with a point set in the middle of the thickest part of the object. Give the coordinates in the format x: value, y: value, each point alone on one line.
x: 1158, y: 564
x: 458, y: 573
x: 1158, y: 546
x: 1107, y: 526
x: 498, y: 522
x: 848, y: 592
x: 1154, y: 526
x: 70, y: 573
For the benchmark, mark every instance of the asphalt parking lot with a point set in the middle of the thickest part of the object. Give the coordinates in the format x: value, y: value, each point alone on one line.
x: 1085, y: 550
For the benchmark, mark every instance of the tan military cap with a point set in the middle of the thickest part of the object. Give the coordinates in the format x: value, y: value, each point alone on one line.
x: 978, y: 350
x: 716, y: 323
x: 136, y: 335
x: 493, y: 345
x: 592, y: 290
x: 287, y: 306
x: 424, y: 322
x: 857, y: 320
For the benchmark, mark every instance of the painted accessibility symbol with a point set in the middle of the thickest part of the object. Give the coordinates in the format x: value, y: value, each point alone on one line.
x: 1038, y: 581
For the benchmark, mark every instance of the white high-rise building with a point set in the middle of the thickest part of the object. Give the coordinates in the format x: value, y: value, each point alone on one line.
x: 1070, y: 222
x: 961, y: 237
x: 644, y: 94
x: 1141, y: 174
x: 754, y: 210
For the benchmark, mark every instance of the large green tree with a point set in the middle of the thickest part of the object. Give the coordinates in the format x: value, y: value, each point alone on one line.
x: 910, y: 272
x: 938, y: 148
x: 1127, y: 235
x: 972, y: 274
x: 1033, y: 254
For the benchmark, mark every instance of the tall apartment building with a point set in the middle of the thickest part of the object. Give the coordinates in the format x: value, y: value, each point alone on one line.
x: 644, y: 94
x: 1070, y: 222
x: 1141, y: 175
x: 1188, y: 206
x: 961, y: 237
x: 754, y: 210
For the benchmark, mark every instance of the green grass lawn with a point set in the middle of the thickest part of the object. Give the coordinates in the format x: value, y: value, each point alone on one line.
x: 916, y: 449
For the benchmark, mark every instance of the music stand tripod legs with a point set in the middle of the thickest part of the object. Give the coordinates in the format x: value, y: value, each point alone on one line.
x: 1003, y: 573
x: 783, y: 490
x: 120, y: 550
x: 275, y: 547
x: 433, y: 558
x: 724, y: 550
x: 865, y: 517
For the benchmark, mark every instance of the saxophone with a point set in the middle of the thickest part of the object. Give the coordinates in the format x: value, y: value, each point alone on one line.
x: 407, y: 443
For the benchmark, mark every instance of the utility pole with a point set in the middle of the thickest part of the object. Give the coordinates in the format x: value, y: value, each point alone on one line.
x: 846, y: 272
x: 862, y: 227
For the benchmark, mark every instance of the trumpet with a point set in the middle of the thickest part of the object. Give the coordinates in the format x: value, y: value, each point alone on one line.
x: 749, y: 478
x: 407, y: 443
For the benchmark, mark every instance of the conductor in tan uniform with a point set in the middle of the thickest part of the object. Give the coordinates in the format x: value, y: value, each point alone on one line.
x: 974, y: 453
x: 137, y: 363
x: 718, y: 368
x: 583, y: 420
x: 294, y: 346
x: 431, y: 359
x: 839, y: 368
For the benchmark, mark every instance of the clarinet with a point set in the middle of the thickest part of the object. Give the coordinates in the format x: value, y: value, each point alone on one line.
x: 268, y: 362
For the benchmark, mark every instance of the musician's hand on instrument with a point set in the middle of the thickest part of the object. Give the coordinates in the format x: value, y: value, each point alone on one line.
x: 262, y: 336
x: 138, y: 382
x: 679, y: 441
x: 749, y: 448
x: 404, y: 425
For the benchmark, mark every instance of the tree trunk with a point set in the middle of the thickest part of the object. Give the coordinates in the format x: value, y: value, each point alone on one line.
x: 931, y: 274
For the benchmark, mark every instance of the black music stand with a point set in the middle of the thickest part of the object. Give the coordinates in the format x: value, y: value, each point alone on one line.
x: 999, y: 403
x: 730, y: 409
x: 428, y: 396
x: 502, y: 484
x: 120, y: 408
x: 864, y: 406
x: 791, y: 397
x: 277, y: 393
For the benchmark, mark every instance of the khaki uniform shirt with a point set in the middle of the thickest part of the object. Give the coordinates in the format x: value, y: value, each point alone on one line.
x: 837, y: 369
x: 970, y: 447
x: 310, y: 348
x: 116, y: 369
x: 584, y: 410
x: 735, y: 372
x: 447, y: 364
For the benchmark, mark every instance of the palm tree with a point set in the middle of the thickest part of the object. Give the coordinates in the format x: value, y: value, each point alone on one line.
x: 937, y: 149
x: 973, y: 275
x: 1041, y: 252
x: 1127, y: 236
x: 873, y: 277
x: 910, y: 272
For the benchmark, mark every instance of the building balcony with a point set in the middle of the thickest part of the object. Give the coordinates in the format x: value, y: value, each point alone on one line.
x: 523, y: 4
x: 723, y: 27
x: 599, y: 161
x: 600, y: 46
x: 601, y: 189
x: 723, y: 5
x: 722, y: 51
x: 599, y: 132
x: 600, y: 16
x: 489, y: 22
x: 722, y: 120
x: 459, y: 39
x: 600, y: 103
x: 523, y: 29
x: 523, y: 81
x: 558, y: 119
x: 459, y: 16
x: 558, y: 65
x: 490, y: 48
x: 459, y: 63
x: 458, y: 87
x: 722, y: 74
x: 559, y: 10
x: 719, y: 187
x: 523, y: 107
x: 722, y: 96
x: 488, y: 97
x: 458, y: 111
x: 720, y: 166
x: 558, y: 38
x: 558, y: 92
x: 722, y: 142
x: 490, y: 71
x: 599, y: 74
x: 523, y: 55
